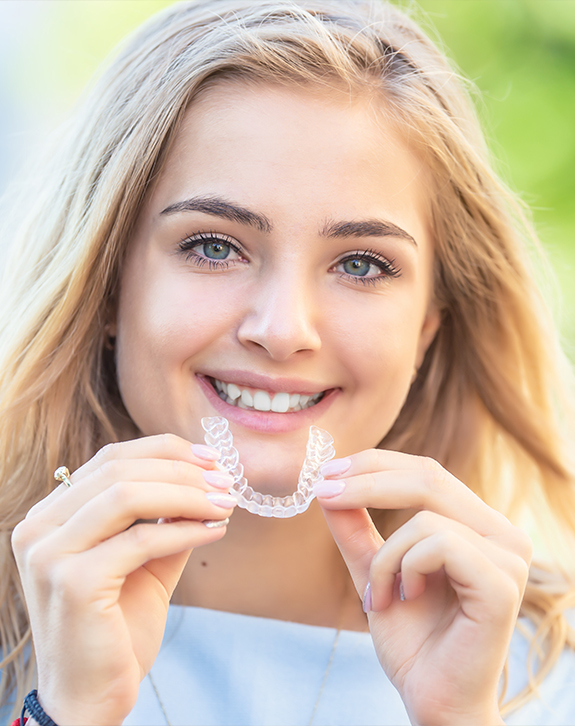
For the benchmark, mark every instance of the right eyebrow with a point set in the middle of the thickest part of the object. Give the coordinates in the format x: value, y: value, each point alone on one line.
x: 220, y: 207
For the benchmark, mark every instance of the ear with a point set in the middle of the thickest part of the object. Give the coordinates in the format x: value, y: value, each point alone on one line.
x: 110, y: 316
x: 429, y: 328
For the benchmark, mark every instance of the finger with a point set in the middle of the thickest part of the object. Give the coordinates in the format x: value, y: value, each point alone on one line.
x: 142, y: 545
x: 387, y: 563
x: 173, y: 471
x: 162, y: 446
x: 425, y: 485
x: 119, y: 506
x: 483, y: 589
x: 358, y: 541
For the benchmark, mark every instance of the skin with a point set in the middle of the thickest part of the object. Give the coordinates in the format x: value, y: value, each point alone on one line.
x: 285, y: 306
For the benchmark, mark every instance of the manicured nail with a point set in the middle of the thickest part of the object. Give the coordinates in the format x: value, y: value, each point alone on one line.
x: 367, y: 599
x: 401, y: 593
x: 216, y: 523
x: 208, y: 453
x: 327, y: 489
x: 226, y: 501
x: 335, y: 467
x: 218, y: 479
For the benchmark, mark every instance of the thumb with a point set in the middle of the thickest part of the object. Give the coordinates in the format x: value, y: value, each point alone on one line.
x: 357, y: 539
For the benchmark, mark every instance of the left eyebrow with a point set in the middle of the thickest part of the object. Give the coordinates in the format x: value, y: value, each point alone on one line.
x: 366, y: 228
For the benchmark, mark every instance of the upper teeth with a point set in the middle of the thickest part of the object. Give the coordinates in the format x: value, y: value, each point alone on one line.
x: 262, y: 401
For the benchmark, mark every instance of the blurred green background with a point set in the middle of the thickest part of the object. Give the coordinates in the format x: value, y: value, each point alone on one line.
x: 520, y: 54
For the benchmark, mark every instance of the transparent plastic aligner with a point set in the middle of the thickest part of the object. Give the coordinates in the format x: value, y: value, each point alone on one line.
x: 319, y: 450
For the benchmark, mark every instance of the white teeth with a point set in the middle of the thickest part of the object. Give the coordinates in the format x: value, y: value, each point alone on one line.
x: 233, y: 391
x: 262, y: 401
x: 247, y: 398
x: 280, y: 402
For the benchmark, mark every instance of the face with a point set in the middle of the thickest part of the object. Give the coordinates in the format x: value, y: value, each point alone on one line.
x: 280, y: 276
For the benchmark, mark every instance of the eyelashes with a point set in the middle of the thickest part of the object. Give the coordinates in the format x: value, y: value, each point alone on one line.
x: 217, y: 251
x: 217, y: 248
x: 362, y: 261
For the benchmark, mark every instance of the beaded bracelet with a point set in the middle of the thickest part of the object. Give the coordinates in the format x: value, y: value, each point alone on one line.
x: 32, y: 705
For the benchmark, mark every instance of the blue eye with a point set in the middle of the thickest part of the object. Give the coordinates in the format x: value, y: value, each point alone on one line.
x: 356, y: 266
x: 216, y: 250
x: 367, y: 267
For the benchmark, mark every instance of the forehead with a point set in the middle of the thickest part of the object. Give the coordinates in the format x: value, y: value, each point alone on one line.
x: 295, y: 152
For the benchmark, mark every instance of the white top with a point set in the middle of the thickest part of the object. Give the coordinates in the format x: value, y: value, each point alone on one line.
x: 223, y: 669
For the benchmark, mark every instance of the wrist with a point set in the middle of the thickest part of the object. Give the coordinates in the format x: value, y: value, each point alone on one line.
x: 461, y: 718
x: 38, y: 712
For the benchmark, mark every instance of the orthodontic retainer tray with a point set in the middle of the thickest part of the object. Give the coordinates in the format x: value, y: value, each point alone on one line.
x: 319, y: 449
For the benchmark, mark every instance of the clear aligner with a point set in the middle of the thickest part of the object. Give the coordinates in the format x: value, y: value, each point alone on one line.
x: 319, y: 450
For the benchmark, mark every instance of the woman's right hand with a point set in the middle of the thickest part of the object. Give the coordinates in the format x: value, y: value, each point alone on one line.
x: 98, y: 586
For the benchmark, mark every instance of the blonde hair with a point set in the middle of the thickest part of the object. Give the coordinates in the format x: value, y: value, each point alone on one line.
x: 486, y: 399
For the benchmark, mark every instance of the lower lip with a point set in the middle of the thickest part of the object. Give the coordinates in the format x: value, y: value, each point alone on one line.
x: 267, y: 422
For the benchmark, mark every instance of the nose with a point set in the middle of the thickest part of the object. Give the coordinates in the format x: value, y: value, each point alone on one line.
x: 282, y: 318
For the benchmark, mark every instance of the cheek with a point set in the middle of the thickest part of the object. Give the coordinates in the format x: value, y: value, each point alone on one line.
x: 167, y: 317
x: 377, y: 347
x: 379, y: 339
x: 165, y: 321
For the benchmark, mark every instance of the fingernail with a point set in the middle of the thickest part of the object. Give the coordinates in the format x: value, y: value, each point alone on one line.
x: 208, y: 453
x: 227, y: 501
x: 401, y: 593
x: 335, y: 467
x: 367, y: 599
x: 217, y: 479
x: 216, y: 523
x: 327, y: 489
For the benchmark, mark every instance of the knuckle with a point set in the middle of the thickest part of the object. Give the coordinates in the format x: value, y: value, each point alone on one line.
x: 25, y: 535
x: 38, y: 561
x: 109, y: 452
x: 523, y: 545
x: 425, y: 521
x: 109, y: 469
x: 522, y: 572
x: 170, y: 442
x: 179, y: 469
x: 446, y: 540
x: 21, y: 536
x: 370, y: 484
x: 138, y: 536
x: 122, y: 494
x: 427, y: 463
x: 435, y: 476
x: 373, y: 458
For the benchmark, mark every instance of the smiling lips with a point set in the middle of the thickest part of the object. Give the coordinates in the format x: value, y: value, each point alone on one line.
x: 258, y: 400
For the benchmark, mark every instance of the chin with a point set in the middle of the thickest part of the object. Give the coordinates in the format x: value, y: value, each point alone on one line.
x: 271, y: 480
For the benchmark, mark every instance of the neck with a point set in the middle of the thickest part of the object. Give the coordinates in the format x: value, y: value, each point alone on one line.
x: 287, y: 569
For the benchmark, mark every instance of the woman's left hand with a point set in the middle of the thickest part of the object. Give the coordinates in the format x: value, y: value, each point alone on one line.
x: 462, y: 567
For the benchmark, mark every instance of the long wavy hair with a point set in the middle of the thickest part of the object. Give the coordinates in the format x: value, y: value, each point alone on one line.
x: 490, y: 401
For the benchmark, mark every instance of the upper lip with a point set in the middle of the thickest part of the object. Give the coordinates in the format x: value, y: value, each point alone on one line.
x: 248, y: 379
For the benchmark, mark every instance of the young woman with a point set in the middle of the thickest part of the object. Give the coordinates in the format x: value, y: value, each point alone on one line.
x: 282, y: 214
